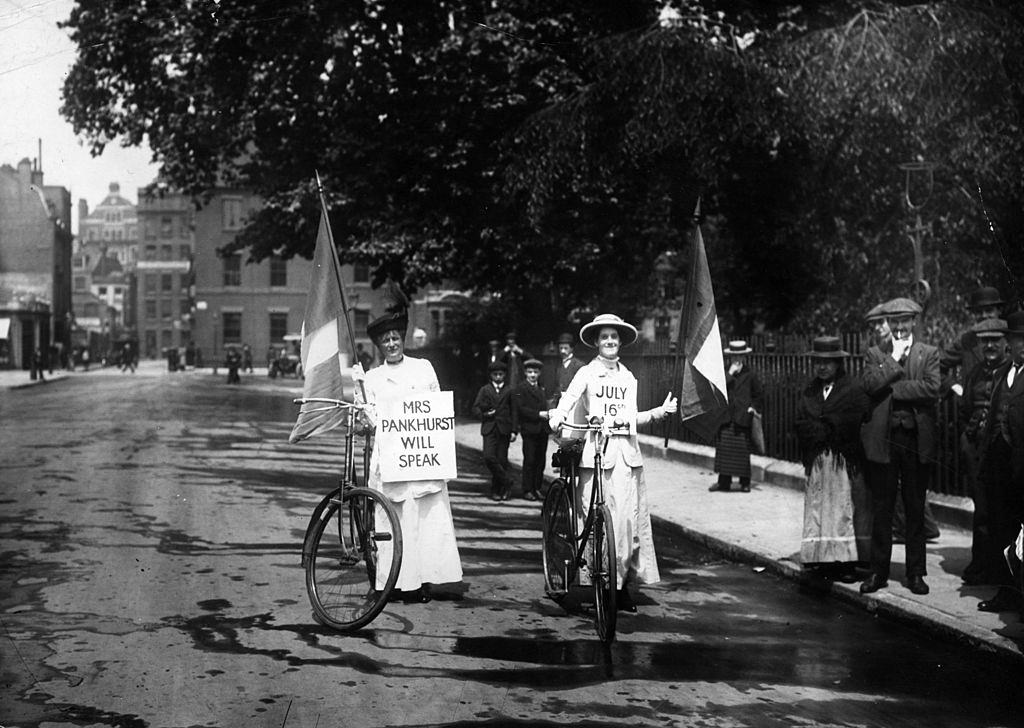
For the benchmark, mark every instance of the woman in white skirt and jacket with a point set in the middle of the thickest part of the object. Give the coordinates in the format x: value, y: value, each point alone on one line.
x: 606, y: 388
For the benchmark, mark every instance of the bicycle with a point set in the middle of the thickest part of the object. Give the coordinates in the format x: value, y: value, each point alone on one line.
x: 352, y: 551
x: 565, y: 550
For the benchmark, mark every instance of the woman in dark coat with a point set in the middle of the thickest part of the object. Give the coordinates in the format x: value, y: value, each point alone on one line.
x: 837, y: 516
x: 746, y: 396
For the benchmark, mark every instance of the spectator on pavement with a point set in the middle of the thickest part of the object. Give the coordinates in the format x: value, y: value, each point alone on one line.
x: 837, y: 512
x: 960, y: 358
x: 746, y: 398
x: 513, y: 355
x: 609, y: 390
x: 973, y: 419
x: 247, y: 358
x: 1001, y: 475
x: 493, y: 407
x: 529, y: 421
x: 900, y: 441
x: 566, y: 369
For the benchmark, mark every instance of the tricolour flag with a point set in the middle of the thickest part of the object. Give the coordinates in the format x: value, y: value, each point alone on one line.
x: 324, y: 338
x: 703, y: 398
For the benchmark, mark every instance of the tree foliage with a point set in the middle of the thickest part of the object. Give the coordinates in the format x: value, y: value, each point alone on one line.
x: 548, y: 152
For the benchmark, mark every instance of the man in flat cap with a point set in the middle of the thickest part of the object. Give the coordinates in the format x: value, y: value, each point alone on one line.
x: 1001, y: 475
x: 900, y: 441
x: 974, y: 415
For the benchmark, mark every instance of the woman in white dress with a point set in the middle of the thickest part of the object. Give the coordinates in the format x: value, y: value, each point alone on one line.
x: 606, y: 388
x: 429, y: 552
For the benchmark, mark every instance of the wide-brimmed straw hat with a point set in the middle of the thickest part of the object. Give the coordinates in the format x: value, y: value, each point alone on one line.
x: 737, y: 347
x: 827, y: 347
x: 627, y: 332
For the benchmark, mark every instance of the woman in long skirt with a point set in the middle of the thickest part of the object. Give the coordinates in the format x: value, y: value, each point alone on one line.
x: 733, y: 443
x: 837, y: 514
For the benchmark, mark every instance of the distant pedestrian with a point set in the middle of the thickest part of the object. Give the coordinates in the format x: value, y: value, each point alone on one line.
x: 529, y: 421
x: 233, y: 361
x: 733, y: 444
x: 37, y: 365
x: 566, y: 369
x: 364, y: 358
x: 247, y: 358
x: 900, y: 441
x: 85, y: 358
x: 513, y: 355
x: 127, y: 358
x: 493, y: 407
x: 837, y: 512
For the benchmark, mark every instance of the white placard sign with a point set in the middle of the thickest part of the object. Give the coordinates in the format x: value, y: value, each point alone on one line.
x: 416, y: 437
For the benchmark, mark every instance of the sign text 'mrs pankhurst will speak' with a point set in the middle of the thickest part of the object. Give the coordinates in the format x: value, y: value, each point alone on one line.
x: 416, y: 437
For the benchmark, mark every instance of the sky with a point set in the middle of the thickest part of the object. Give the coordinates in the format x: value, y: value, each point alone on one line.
x: 35, y: 56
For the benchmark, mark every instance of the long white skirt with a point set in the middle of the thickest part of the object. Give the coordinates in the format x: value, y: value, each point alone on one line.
x: 829, y: 533
x: 429, y: 552
x: 625, y: 494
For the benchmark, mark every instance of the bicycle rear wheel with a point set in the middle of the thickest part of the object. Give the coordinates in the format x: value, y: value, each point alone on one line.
x: 603, y: 576
x: 352, y: 557
x: 559, y: 539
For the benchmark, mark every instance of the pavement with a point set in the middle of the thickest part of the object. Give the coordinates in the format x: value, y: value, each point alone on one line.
x: 763, y: 528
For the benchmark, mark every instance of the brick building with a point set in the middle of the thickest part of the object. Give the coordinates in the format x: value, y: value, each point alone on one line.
x: 163, y: 284
x: 35, y: 266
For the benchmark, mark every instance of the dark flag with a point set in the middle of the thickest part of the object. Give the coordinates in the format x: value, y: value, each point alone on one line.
x: 703, y: 397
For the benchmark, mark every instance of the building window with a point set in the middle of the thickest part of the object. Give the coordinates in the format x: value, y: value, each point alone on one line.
x: 78, y: 262
x: 166, y: 252
x: 150, y: 309
x: 166, y: 282
x: 166, y: 340
x: 166, y: 307
x: 232, y: 327
x: 81, y: 283
x: 184, y: 252
x: 150, y: 252
x: 166, y: 227
x: 150, y: 343
x: 150, y: 229
x: 278, y: 271
x: 186, y: 307
x: 101, y: 290
x: 233, y: 270
x: 150, y: 283
x: 360, y: 320
x: 231, y: 208
x: 361, y: 273
x: 278, y: 326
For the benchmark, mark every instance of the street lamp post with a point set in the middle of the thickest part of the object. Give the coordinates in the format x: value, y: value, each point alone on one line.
x: 918, y: 183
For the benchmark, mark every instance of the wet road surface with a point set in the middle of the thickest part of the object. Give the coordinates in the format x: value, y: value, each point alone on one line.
x: 150, y: 528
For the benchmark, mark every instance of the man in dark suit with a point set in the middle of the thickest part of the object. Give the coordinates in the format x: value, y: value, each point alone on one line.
x: 900, y: 441
x: 1002, y: 467
x: 513, y: 356
x: 493, y: 405
x: 567, y: 367
x: 529, y: 420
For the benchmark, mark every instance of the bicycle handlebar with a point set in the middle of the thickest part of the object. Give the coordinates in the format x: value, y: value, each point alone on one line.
x: 596, y: 424
x: 334, y: 403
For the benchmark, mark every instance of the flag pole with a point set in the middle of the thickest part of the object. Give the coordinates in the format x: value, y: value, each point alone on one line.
x: 337, y: 274
x: 684, y: 331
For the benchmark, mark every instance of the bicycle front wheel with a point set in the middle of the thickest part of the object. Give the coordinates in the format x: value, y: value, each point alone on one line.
x: 603, y: 575
x: 559, y: 539
x: 352, y: 556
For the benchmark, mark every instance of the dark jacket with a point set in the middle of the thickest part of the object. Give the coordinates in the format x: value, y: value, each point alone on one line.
x: 527, y: 403
x: 912, y: 385
x: 1012, y: 403
x: 486, y: 400
x: 833, y: 424
x: 745, y: 391
x: 978, y: 386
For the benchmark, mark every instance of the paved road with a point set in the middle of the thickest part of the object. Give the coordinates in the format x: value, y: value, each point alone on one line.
x: 150, y: 576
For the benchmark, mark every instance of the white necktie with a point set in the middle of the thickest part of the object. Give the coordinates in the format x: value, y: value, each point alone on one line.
x: 826, y: 391
x: 1011, y: 374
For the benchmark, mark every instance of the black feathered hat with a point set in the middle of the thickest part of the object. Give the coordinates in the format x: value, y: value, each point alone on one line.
x: 396, y: 316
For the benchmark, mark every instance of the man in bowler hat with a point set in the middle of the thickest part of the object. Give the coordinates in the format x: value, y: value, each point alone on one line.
x: 566, y: 369
x: 964, y: 353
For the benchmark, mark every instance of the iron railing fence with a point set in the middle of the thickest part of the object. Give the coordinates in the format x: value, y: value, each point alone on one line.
x: 784, y: 374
